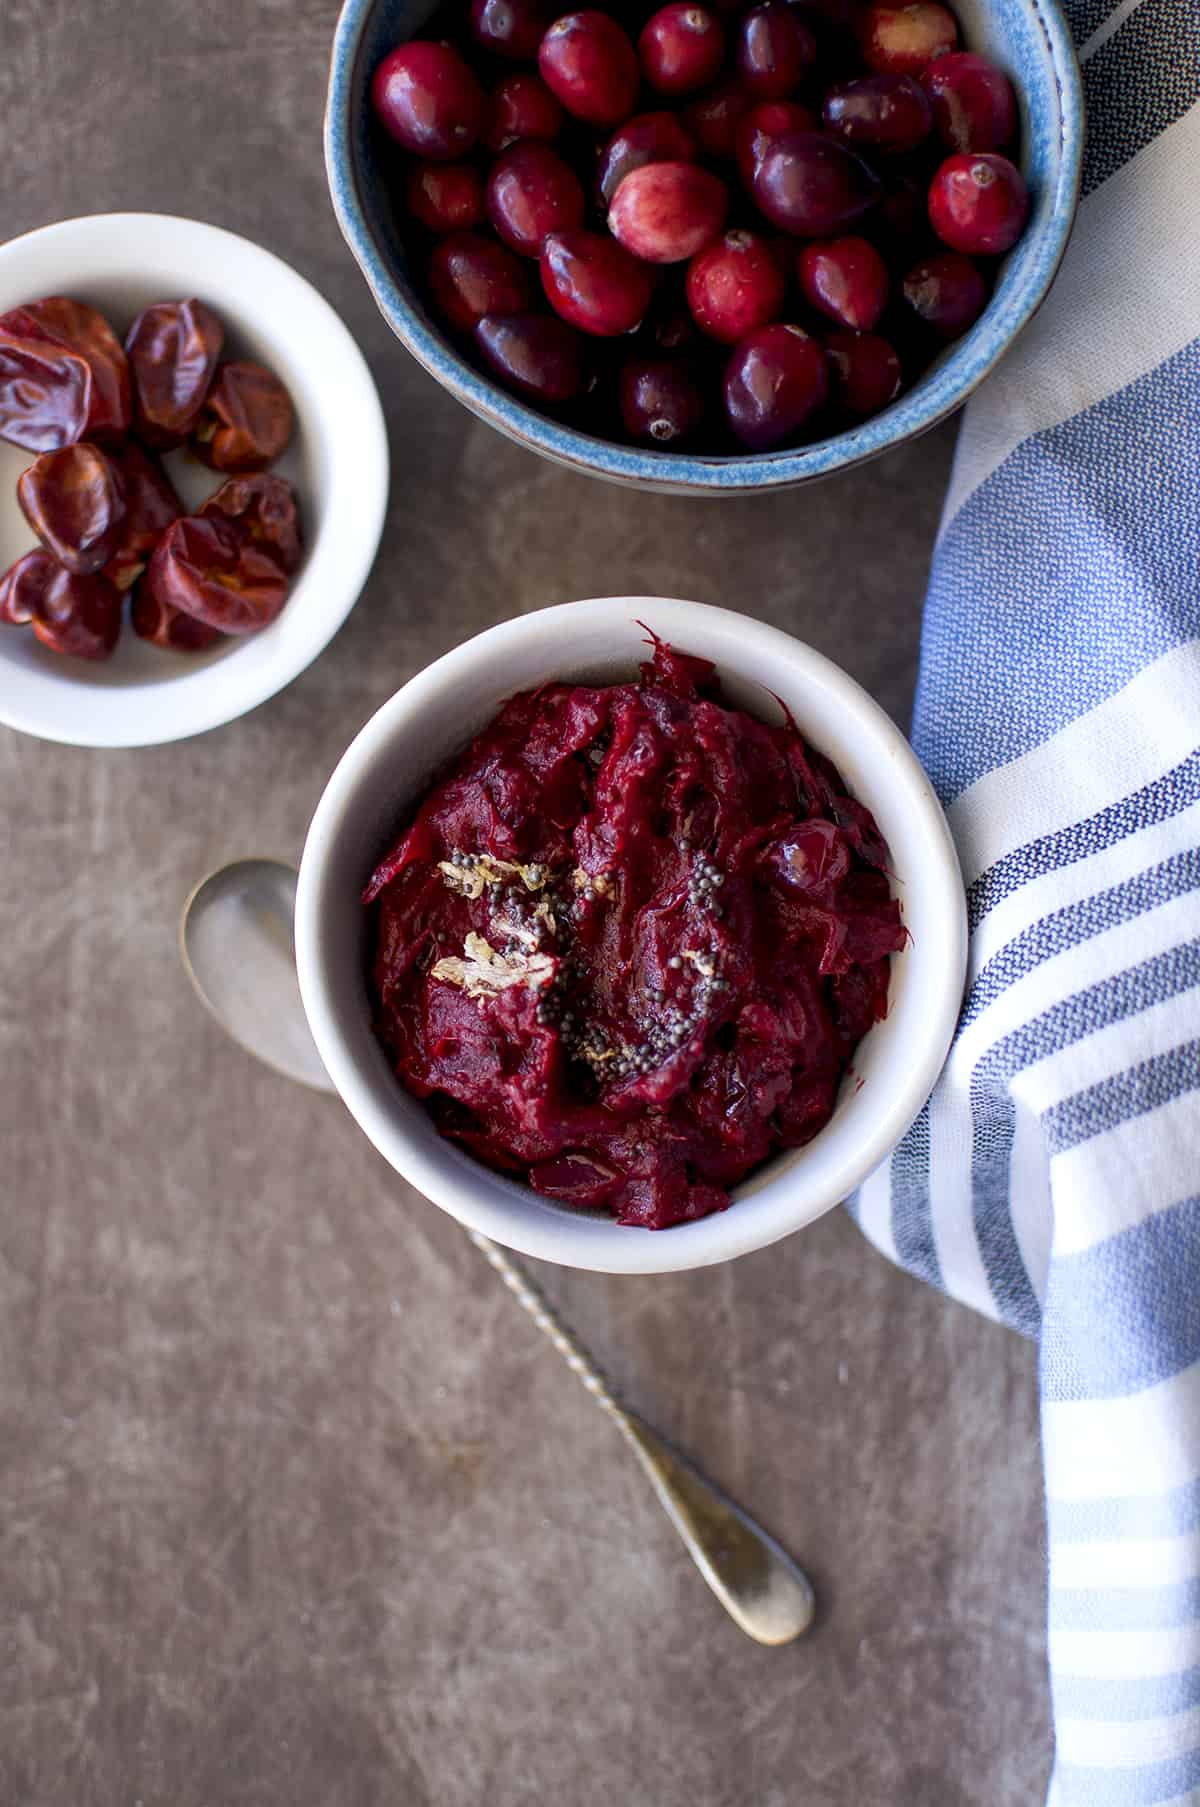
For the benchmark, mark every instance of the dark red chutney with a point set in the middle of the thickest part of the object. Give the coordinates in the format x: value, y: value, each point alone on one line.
x: 629, y: 943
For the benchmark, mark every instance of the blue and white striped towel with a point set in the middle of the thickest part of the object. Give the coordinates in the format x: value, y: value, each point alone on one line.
x: 1053, y: 1181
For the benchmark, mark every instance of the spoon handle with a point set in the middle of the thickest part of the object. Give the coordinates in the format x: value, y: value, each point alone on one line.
x: 755, y: 1580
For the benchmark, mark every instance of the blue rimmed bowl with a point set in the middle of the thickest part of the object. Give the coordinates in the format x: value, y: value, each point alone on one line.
x: 1029, y: 38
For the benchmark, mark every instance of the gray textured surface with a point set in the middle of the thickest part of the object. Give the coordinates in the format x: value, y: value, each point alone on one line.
x: 294, y: 1507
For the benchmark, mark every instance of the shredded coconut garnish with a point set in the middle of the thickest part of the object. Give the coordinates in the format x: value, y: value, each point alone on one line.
x: 470, y: 874
x: 484, y: 973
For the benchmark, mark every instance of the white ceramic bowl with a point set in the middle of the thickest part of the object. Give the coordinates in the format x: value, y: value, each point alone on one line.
x: 338, y: 463
x: 390, y: 763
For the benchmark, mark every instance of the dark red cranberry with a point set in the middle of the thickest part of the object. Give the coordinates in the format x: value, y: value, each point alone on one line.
x: 811, y: 185
x: 592, y: 67
x: 881, y: 112
x: 445, y: 197
x: 661, y: 401
x: 681, y: 48
x: 845, y: 279
x: 594, y: 283
x: 713, y: 119
x: 866, y: 372
x: 471, y: 276
x: 766, y: 120
x: 665, y: 212
x: 978, y: 203
x: 903, y: 40
x: 650, y: 138
x: 946, y: 291
x: 521, y: 106
x: 776, y: 378
x: 775, y: 48
x: 974, y: 107
x: 532, y: 191
x: 427, y: 98
x: 510, y: 28
x: 535, y: 354
x: 735, y: 286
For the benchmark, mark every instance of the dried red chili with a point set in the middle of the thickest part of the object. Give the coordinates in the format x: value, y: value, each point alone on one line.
x: 172, y: 349
x: 63, y: 376
x: 150, y: 506
x: 70, y: 612
x: 247, y: 420
x: 265, y: 507
x: 210, y: 568
x: 155, y: 620
x: 74, y: 502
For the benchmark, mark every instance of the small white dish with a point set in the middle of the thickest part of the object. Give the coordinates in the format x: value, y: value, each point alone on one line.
x: 337, y: 463
x: 389, y: 765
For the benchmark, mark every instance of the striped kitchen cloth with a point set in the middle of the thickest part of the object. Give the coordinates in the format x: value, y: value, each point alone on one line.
x: 1053, y: 1180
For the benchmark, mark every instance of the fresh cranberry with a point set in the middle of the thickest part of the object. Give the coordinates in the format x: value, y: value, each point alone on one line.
x: 775, y: 48
x: 532, y: 191
x: 735, y: 286
x: 768, y: 119
x: 535, y: 354
x: 946, y: 291
x: 661, y: 401
x: 650, y: 138
x: 666, y: 212
x: 974, y: 107
x: 776, y: 378
x: 592, y: 67
x: 811, y: 185
x: 594, y: 283
x: 471, y: 276
x: 845, y: 279
x: 681, y: 48
x: 978, y: 203
x: 427, y: 98
x: 903, y: 40
x: 866, y: 372
x: 510, y: 28
x: 713, y: 119
x: 445, y: 197
x: 883, y: 112
x: 521, y: 106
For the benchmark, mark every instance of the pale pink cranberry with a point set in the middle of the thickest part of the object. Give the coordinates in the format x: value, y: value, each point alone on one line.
x: 735, y: 286
x: 978, y: 203
x: 681, y: 48
x: 665, y: 212
x: 845, y: 279
x: 903, y: 40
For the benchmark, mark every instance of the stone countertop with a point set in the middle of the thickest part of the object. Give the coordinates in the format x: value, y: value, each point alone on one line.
x: 296, y: 1509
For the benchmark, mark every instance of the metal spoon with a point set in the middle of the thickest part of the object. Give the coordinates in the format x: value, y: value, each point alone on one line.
x: 235, y: 938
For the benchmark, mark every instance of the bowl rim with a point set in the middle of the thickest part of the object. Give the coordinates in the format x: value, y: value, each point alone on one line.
x: 765, y: 1208
x: 942, y: 390
x: 221, y: 247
